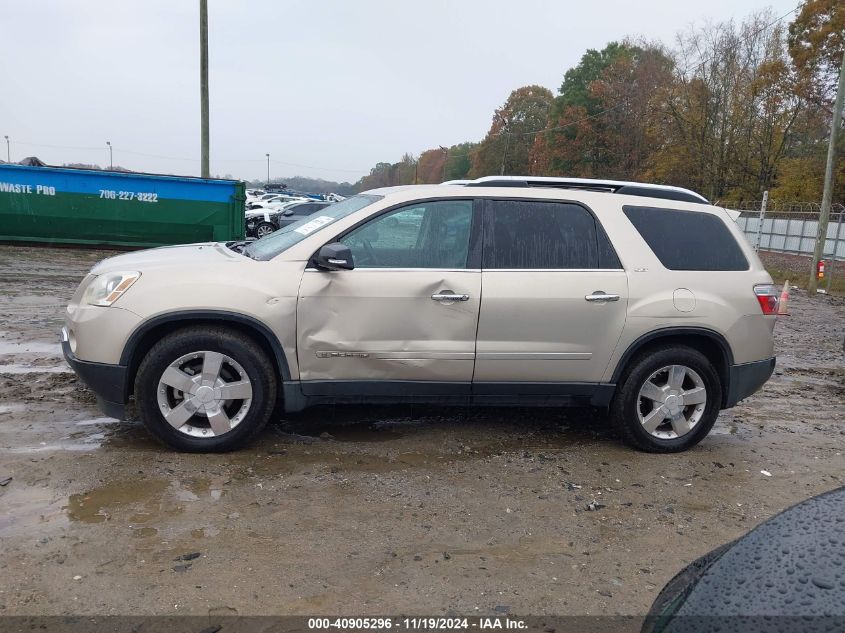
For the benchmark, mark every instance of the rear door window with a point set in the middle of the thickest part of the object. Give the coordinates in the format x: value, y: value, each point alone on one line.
x: 528, y: 234
x: 687, y: 240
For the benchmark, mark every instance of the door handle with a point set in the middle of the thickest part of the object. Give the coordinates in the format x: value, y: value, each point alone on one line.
x: 448, y: 295
x: 601, y: 296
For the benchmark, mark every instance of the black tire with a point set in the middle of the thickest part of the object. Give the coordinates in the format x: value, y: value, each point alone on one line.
x: 624, y: 409
x: 243, y: 350
x: 264, y: 226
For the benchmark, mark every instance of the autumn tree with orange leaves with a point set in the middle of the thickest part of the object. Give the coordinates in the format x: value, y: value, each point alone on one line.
x: 508, y: 143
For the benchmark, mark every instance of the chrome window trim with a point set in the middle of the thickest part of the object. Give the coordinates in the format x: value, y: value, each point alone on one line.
x: 398, y: 270
x: 476, y: 270
x: 553, y: 270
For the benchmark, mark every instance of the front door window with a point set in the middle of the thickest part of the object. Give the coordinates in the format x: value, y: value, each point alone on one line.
x: 425, y: 235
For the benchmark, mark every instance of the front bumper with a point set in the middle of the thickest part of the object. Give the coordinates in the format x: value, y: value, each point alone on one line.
x: 746, y: 379
x: 108, y: 382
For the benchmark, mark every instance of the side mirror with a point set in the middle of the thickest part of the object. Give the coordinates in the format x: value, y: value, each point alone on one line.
x: 335, y: 256
x: 287, y: 213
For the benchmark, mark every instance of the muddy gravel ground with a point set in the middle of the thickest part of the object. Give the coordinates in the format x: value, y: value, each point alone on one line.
x: 380, y: 511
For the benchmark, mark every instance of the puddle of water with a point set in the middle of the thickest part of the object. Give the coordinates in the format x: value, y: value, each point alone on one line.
x: 196, y: 489
x: 42, y: 448
x: 95, y: 421
x: 78, y: 441
x: 37, y: 300
x: 28, y: 369
x: 96, y: 506
x: 30, y: 347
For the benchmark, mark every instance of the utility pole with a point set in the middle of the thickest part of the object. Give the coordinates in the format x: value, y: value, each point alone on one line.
x: 505, y: 153
x: 111, y: 155
x: 8, y: 152
x: 268, y: 168
x: 206, y: 172
x: 827, y: 196
x: 445, y: 160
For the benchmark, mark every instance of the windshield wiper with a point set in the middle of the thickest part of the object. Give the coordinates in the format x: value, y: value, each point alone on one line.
x: 240, y: 246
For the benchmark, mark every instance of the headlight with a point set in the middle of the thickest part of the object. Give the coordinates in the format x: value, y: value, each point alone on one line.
x: 106, y: 288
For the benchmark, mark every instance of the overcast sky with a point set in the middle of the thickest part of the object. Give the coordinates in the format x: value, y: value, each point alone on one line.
x: 327, y: 88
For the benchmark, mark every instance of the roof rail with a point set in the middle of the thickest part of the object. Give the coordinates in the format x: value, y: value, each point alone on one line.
x: 648, y: 190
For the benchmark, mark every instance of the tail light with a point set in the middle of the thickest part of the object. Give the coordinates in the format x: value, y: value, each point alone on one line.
x: 767, y: 295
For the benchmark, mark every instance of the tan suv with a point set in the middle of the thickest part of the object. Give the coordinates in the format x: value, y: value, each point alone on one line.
x: 642, y: 299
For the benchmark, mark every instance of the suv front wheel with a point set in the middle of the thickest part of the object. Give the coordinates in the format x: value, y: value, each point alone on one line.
x: 205, y: 389
x: 667, y: 400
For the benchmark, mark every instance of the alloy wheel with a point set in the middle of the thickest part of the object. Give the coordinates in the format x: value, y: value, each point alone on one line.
x: 263, y: 231
x: 204, y: 394
x: 672, y: 401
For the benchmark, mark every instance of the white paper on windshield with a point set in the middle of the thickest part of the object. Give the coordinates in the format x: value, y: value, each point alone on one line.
x: 313, y: 225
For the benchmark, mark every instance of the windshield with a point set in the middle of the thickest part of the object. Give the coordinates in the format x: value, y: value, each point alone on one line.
x: 270, y: 246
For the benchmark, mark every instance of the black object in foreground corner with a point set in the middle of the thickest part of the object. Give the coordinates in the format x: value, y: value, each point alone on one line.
x: 787, y: 574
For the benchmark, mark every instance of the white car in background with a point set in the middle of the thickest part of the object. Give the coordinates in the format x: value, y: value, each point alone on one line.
x: 261, y: 200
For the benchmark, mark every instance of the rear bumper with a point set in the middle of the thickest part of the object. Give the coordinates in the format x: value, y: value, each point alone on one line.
x: 108, y: 382
x: 746, y: 379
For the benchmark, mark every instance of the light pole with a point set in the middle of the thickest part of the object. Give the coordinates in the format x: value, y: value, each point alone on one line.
x: 204, y: 164
x: 8, y: 153
x: 268, y: 168
x: 445, y: 160
x: 111, y: 160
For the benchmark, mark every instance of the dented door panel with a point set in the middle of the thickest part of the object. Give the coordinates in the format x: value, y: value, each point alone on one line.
x: 382, y: 324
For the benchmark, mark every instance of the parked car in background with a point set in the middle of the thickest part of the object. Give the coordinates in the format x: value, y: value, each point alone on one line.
x: 252, y: 202
x: 644, y: 300
x: 282, y: 202
x: 261, y: 213
x: 276, y: 202
x: 262, y: 222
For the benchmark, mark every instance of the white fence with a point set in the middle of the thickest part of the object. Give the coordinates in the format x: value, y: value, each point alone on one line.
x: 792, y: 228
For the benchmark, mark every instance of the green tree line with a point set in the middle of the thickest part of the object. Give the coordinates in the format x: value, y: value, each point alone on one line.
x: 729, y: 109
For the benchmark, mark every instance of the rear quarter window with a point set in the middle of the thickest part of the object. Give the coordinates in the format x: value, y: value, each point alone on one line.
x: 687, y: 240
x: 544, y: 235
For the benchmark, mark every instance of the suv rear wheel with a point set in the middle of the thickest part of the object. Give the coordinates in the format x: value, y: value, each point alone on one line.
x: 205, y: 389
x: 667, y: 401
